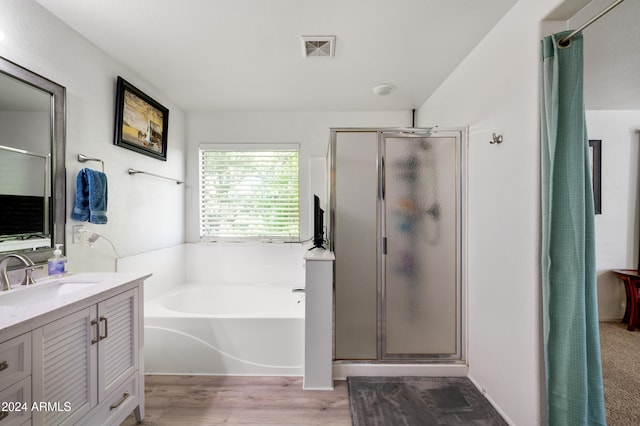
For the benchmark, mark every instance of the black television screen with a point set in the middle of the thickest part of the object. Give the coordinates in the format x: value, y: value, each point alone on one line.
x: 21, y: 215
x: 318, y: 223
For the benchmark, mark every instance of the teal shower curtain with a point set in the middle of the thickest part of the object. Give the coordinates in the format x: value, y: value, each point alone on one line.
x: 570, y: 312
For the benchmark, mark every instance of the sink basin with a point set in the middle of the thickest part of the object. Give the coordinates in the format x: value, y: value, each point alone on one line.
x: 41, y: 292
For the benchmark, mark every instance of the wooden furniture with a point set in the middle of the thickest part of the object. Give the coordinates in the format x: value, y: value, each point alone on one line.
x: 631, y: 280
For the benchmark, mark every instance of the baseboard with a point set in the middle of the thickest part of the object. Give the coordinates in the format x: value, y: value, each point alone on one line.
x: 341, y: 370
x: 613, y: 319
x: 315, y: 388
x: 491, y: 401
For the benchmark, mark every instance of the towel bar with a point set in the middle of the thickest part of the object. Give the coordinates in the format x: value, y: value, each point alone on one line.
x: 83, y: 159
x: 135, y: 172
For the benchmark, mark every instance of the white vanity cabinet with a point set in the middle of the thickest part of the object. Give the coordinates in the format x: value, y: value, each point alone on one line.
x: 63, y: 359
x: 86, y: 356
x: 120, y: 379
x: 84, y: 362
x: 15, y: 380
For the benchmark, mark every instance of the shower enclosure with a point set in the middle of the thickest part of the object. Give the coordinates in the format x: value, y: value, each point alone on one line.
x: 396, y: 226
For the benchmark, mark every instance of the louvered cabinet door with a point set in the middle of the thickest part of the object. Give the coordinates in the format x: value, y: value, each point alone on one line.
x: 68, y: 369
x: 118, y: 345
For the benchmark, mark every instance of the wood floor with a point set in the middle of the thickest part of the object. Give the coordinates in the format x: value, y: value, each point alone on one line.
x: 214, y: 400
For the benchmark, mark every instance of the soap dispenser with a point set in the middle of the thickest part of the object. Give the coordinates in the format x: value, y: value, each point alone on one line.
x: 57, y: 263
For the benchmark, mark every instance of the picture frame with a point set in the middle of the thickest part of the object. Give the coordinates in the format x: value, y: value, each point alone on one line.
x: 141, y: 123
x: 595, y: 159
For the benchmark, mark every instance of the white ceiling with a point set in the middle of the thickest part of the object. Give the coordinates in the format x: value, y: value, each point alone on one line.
x: 210, y: 55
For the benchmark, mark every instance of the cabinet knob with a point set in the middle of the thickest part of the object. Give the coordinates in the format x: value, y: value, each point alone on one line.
x: 3, y: 366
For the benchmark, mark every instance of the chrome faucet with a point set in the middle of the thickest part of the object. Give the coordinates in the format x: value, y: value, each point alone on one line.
x: 5, y: 284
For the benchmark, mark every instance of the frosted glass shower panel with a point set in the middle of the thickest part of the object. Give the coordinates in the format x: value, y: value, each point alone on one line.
x: 421, y: 214
x: 355, y: 245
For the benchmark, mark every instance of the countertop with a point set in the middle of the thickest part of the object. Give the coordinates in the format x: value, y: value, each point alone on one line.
x: 319, y: 254
x: 80, y: 289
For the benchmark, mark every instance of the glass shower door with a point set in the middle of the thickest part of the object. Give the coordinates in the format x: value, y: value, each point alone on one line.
x: 420, y: 212
x: 354, y: 241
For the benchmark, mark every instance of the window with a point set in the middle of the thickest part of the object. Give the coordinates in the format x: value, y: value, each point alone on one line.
x: 249, y: 192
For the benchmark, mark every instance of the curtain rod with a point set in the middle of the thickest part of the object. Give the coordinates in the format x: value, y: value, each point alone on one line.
x: 564, y: 42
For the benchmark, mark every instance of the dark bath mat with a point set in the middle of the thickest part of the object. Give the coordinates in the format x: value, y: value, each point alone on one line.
x: 412, y: 401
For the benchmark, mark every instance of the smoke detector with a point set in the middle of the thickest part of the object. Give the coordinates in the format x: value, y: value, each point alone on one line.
x: 318, y: 46
x: 383, y: 89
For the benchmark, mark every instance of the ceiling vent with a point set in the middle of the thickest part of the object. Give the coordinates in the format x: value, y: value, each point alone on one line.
x: 318, y: 45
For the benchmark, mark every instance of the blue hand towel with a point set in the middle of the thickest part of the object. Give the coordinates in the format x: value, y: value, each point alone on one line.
x: 91, y: 197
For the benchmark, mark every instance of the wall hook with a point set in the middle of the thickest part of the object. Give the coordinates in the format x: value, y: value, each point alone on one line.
x: 496, y: 139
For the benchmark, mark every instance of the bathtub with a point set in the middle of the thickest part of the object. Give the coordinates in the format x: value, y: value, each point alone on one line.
x: 225, y: 329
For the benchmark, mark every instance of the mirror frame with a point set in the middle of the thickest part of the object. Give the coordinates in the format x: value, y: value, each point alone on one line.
x: 57, y: 143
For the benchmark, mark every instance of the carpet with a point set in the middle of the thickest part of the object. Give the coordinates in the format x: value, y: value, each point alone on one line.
x: 395, y: 401
x: 620, y: 373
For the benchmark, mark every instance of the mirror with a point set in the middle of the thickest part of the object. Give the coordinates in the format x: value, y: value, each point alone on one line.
x: 32, y: 175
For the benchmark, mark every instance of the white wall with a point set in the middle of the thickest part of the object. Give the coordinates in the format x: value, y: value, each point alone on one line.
x: 495, y: 89
x: 309, y: 129
x: 168, y: 266
x: 280, y: 265
x: 617, y: 227
x: 611, y: 55
x: 612, y: 97
x: 144, y: 213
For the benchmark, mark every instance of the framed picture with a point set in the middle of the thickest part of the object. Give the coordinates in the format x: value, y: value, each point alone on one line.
x: 595, y: 158
x: 141, y: 122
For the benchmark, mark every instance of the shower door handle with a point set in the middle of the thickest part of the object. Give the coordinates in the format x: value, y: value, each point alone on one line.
x: 382, y: 179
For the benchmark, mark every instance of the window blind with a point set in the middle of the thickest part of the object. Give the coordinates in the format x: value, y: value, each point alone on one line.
x: 249, y: 192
